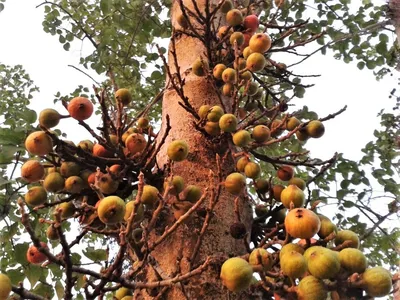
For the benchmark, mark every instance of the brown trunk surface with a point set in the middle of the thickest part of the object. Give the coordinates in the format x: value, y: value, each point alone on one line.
x: 195, y: 170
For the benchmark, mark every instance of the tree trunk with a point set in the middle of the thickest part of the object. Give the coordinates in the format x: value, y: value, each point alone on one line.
x: 173, y: 255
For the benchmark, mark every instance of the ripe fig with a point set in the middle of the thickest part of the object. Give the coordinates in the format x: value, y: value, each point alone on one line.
x: 260, y: 42
x: 246, y: 52
x: 277, y: 190
x: 38, y: 143
x: 80, y: 108
x: 327, y: 227
x: 111, y: 210
x: 229, y: 75
x: 302, y: 135
x: 241, y: 138
x: 237, y: 37
x: 101, y: 151
x: 36, y: 196
x: 228, y: 123
x: 241, y: 163
x: 178, y: 150
x: 323, y: 263
x: 235, y: 183
x: 49, y: 118
x: 251, y: 22
x: 143, y: 123
x: 66, y: 209
x: 34, y: 256
x: 292, y: 123
x: 123, y: 96
x: 285, y: 173
x: 135, y: 143
x: 292, y: 194
x: 228, y: 89
x: 236, y: 274
x: 302, y: 223
x: 255, y: 62
x: 51, y: 233
x: 289, y: 248
x: 234, y: 17
x: 32, y: 171
x: 54, y: 182
x: 261, y: 133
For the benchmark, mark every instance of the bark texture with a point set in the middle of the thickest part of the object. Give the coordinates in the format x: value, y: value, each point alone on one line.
x: 173, y: 255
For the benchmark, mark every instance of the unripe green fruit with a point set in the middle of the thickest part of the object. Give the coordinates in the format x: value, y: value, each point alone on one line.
x: 310, y: 250
x: 377, y: 282
x: 5, y: 286
x: 178, y: 150
x: 66, y: 209
x: 111, y: 210
x: 323, y: 263
x: 252, y: 170
x: 139, y: 211
x: 252, y: 88
x: 261, y: 133
x: 177, y: 185
x: 228, y: 123
x: 236, y: 274
x: 74, y: 184
x: 107, y: 185
x: 315, y: 129
x: 300, y: 183
x: 311, y: 288
x: 122, y: 292
x: 235, y: 183
x: 215, y: 113
x: 49, y: 118
x: 292, y: 123
x: 255, y: 62
x: 212, y: 128
x: 203, y: 111
x: 36, y: 196
x: 277, y: 190
x: 191, y: 193
x: 226, y: 6
x: 292, y: 194
x: 327, y: 227
x: 241, y: 138
x: 241, y: 163
x: 123, y: 96
x: 302, y: 135
x: 54, y: 182
x: 289, y: 248
x: 218, y: 70
x: 143, y: 123
x: 149, y: 195
x: 260, y: 256
x: 69, y: 168
x: 234, y: 17
x: 229, y: 75
x: 293, y: 264
x: 237, y: 37
x: 200, y: 67
x: 86, y: 145
x: 246, y: 52
x: 347, y: 235
x: 353, y: 260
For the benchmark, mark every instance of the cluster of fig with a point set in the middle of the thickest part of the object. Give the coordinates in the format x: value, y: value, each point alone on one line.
x: 82, y: 181
x: 315, y: 259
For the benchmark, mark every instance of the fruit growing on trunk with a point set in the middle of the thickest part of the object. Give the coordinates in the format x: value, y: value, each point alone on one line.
x: 241, y: 138
x: 301, y: 184
x: 347, y: 235
x: 261, y: 133
x: 252, y: 170
x: 289, y: 248
x: 32, y: 171
x: 353, y: 260
x: 135, y: 143
x: 285, y: 173
x: 377, y: 282
x: 38, y: 143
x: 235, y: 183
x: 323, y: 263
x: 49, y: 118
x: 5, y: 286
x: 111, y: 210
x: 178, y: 150
x: 260, y: 42
x: 234, y: 17
x: 36, y: 196
x: 191, y: 193
x: 236, y: 274
x: 34, y: 256
x: 255, y: 62
x: 302, y: 223
x: 80, y: 108
x: 311, y: 288
x: 292, y: 194
x: 327, y: 227
x: 228, y: 123
x: 149, y: 195
x: 315, y: 129
x: 260, y: 256
x: 293, y: 264
x: 123, y: 96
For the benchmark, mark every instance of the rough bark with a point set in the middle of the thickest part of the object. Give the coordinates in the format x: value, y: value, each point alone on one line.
x: 195, y: 170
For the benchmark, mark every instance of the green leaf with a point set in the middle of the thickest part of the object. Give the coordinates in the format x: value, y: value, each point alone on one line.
x: 33, y: 273
x: 59, y: 290
x: 95, y: 254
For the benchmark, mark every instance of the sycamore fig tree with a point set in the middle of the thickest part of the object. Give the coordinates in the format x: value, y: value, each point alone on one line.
x: 197, y: 183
